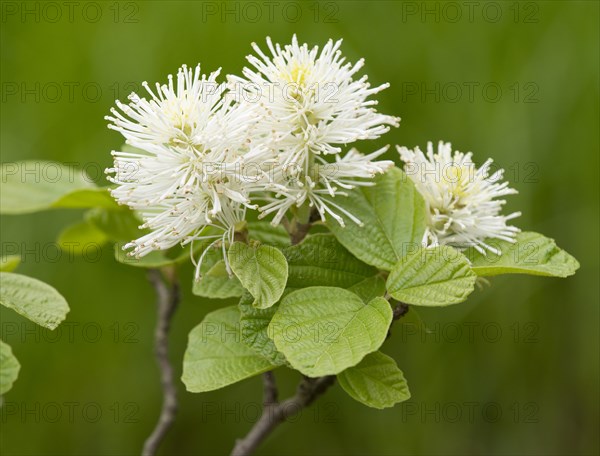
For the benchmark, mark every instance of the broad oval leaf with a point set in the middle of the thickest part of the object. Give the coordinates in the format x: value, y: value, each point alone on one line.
x: 532, y: 254
x: 393, y: 215
x: 154, y: 259
x: 120, y: 224
x: 254, y: 325
x: 82, y: 238
x: 33, y: 299
x: 9, y: 368
x: 98, y: 197
x: 320, y: 260
x: 216, y: 356
x: 36, y: 185
x: 324, y: 330
x: 376, y: 381
x: 369, y: 288
x: 268, y: 234
x: 436, y: 276
x: 215, y: 283
x: 262, y: 270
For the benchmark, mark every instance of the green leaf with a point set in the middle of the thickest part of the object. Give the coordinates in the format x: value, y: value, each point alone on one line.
x: 393, y: 215
x: 80, y: 238
x: 324, y: 330
x: 215, y: 283
x: 33, y: 299
x: 369, y: 288
x: 155, y: 259
x: 9, y: 368
x: 31, y: 186
x: 255, y: 333
x: 376, y: 381
x: 9, y: 263
x: 532, y: 254
x: 120, y: 224
x: 216, y: 357
x: 436, y: 276
x: 262, y: 270
x: 268, y: 234
x: 320, y: 260
x: 160, y: 258
x: 86, y: 197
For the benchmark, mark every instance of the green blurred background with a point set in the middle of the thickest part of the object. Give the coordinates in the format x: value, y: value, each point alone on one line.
x: 512, y: 371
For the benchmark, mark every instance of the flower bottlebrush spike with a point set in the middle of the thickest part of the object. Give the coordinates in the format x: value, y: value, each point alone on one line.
x: 312, y: 106
x: 461, y: 198
x: 192, y: 164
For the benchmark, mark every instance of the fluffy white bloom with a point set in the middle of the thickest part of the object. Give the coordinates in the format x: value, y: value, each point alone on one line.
x: 191, y: 162
x: 319, y: 184
x: 311, y: 107
x: 461, y: 198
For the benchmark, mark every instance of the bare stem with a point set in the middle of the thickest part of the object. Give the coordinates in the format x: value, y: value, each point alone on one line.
x: 167, y: 291
x: 298, y: 229
x: 270, y: 391
x: 299, y: 232
x: 399, y: 311
x: 276, y: 413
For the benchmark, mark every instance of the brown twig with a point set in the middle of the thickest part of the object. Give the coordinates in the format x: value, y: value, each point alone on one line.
x: 298, y: 229
x: 167, y: 301
x: 270, y: 391
x: 299, y: 233
x: 308, y: 390
x: 399, y: 311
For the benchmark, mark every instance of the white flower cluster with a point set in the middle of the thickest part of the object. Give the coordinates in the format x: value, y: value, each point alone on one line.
x: 189, y: 166
x: 460, y: 198
x: 311, y: 107
x: 201, y: 152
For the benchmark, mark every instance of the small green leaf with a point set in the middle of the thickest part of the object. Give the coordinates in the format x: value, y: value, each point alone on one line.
x: 31, y: 186
x: 268, y: 234
x: 9, y: 263
x: 9, y: 368
x: 324, y: 330
x: 215, y: 283
x: 33, y: 299
x: 532, y: 254
x: 216, y: 356
x: 120, y: 224
x: 98, y: 197
x: 155, y: 259
x: 82, y: 238
x: 369, y: 288
x: 436, y: 276
x: 262, y: 270
x: 376, y: 381
x: 393, y: 215
x: 160, y: 258
x: 254, y: 326
x: 320, y: 260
